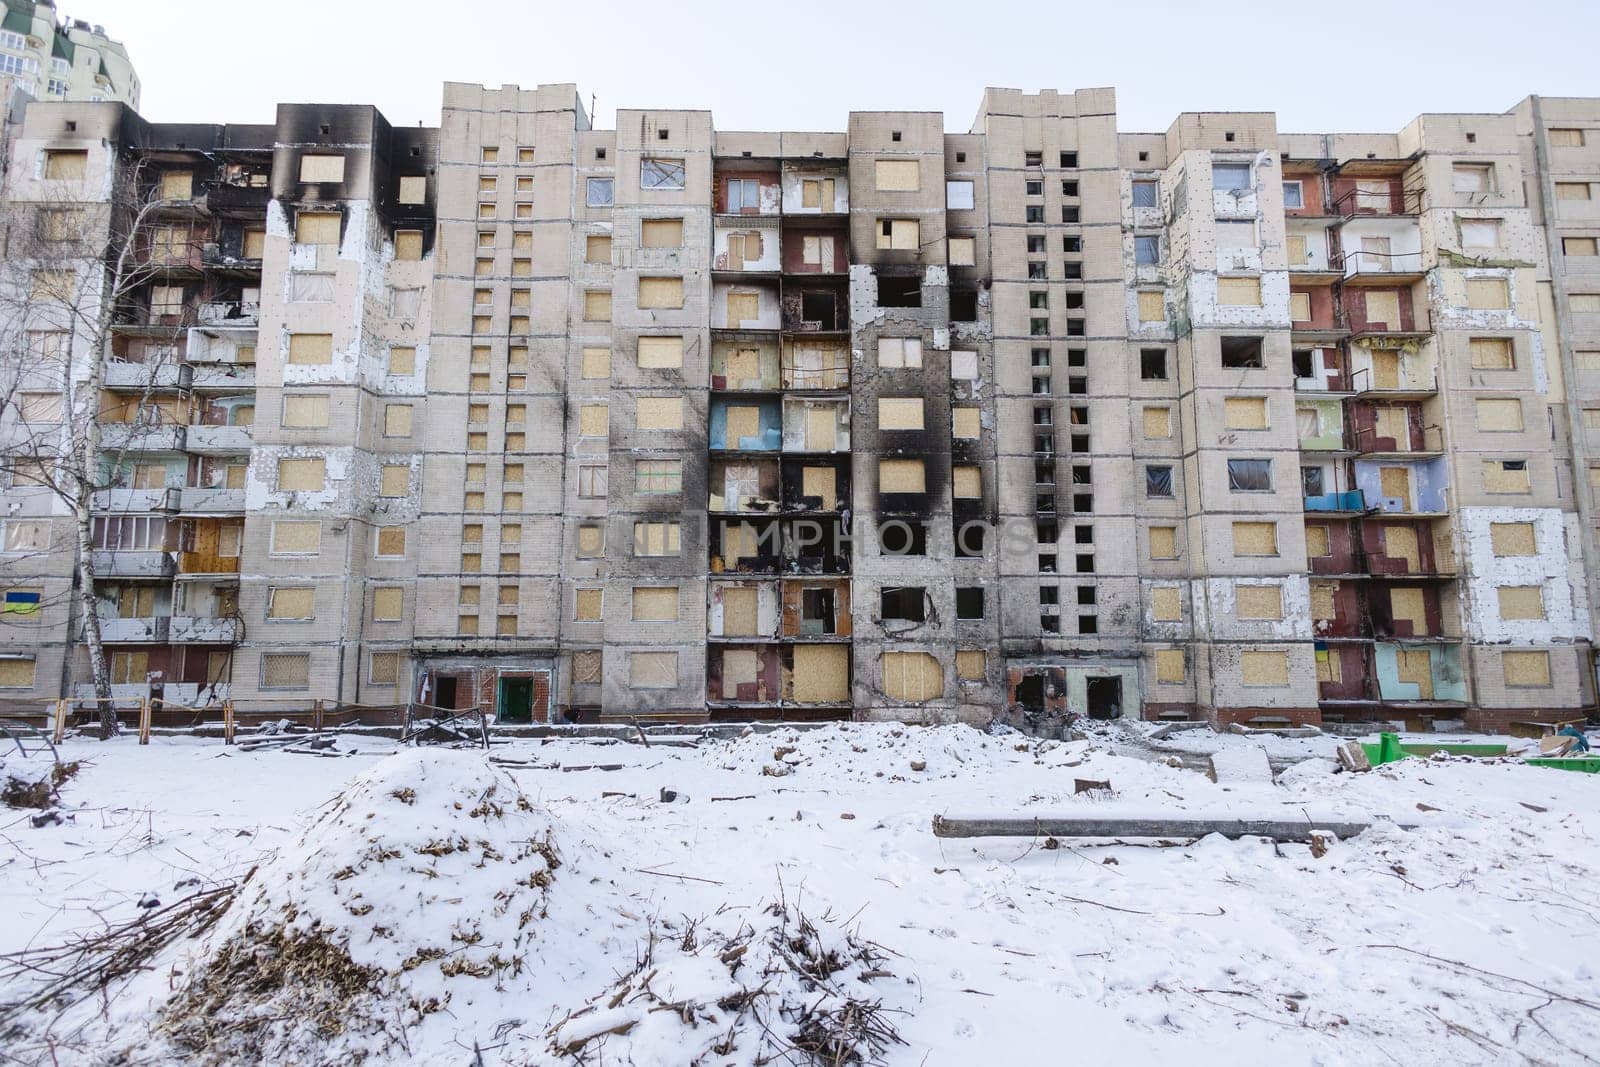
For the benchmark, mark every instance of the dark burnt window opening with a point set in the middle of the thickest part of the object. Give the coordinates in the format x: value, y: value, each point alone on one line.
x: 816, y: 609
x: 1153, y: 364
x: 898, y: 537
x: 1036, y: 270
x: 1083, y: 535
x: 894, y: 135
x: 899, y: 292
x: 969, y: 602
x: 1300, y: 360
x: 1158, y: 481
x: 1086, y: 595
x: 1035, y: 213
x: 820, y: 307
x: 1083, y: 503
x: 961, y: 157
x: 1049, y: 594
x: 1047, y: 564
x: 1077, y: 385
x: 1069, y: 188
x: 1080, y: 442
x: 1036, y: 242
x: 1072, y: 271
x: 970, y: 539
x: 1033, y: 159
x: 1241, y: 352
x: 1085, y: 563
x: 1077, y: 357
x: 1082, y: 475
x: 903, y: 604
x: 1088, y: 624
x: 1049, y: 624
x: 963, y: 305
x: 1046, y: 532
x: 1072, y: 244
x: 1069, y: 214
x: 1069, y: 160
x: 1035, y: 188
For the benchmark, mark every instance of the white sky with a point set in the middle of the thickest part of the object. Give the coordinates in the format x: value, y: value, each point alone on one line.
x: 804, y: 64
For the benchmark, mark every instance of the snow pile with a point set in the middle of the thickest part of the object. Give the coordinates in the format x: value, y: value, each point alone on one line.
x: 773, y: 987
x: 864, y: 752
x: 418, y: 891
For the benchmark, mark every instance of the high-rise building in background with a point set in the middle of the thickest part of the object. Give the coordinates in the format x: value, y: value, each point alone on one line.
x: 883, y: 423
x: 48, y: 58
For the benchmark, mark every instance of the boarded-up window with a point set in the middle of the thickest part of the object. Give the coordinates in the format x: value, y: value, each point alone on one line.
x: 965, y: 424
x: 597, y: 305
x: 661, y: 233
x: 900, y: 413
x: 391, y: 542
x: 1152, y: 305
x: 1394, y: 483
x: 963, y: 365
x: 743, y: 307
x: 897, y: 175
x: 656, y: 538
x: 739, y: 611
x: 297, y: 602
x: 1499, y: 414
x: 1322, y: 600
x: 899, y: 234
x: 1525, y: 669
x: 818, y: 194
x: 653, y: 670
x: 899, y: 352
x: 593, y: 420
x: 969, y: 664
x: 913, y: 676
x: 408, y: 245
x: 743, y: 422
x: 1584, y: 303
x: 1513, y: 539
x: 1157, y: 422
x: 822, y: 674
x: 820, y: 482
x: 321, y: 168
x: 1245, y: 412
x: 394, y: 479
x: 16, y: 673
x: 1488, y: 293
x: 65, y: 165
x: 402, y: 360
x: 1578, y: 246
x: 316, y: 228
x: 1259, y: 601
x: 1566, y: 137
x: 1328, y: 668
x: 296, y: 537
x: 40, y: 407
x: 597, y: 249
x: 286, y: 670
x: 1264, y: 668
x: 1521, y: 602
x: 1383, y: 309
x: 1239, y: 292
x: 1163, y: 542
x: 383, y: 669
x: 1492, y: 353
x: 1166, y: 603
x: 740, y: 666
x: 1300, y: 307
x: 311, y: 349
x: 966, y: 483
x: 659, y: 413
x: 301, y: 474
x: 660, y: 352
x: 962, y: 252
x: 586, y: 667
x: 655, y: 603
x: 661, y: 292
x: 413, y: 189
x: 596, y: 363
x: 305, y: 410
x: 1572, y: 190
x: 1169, y: 665
x: 388, y: 603
x: 591, y: 542
x: 586, y: 605
x: 1299, y: 254
x: 1255, y: 539
x: 397, y: 420
x: 1506, y: 476
x: 1409, y: 605
x: 901, y: 476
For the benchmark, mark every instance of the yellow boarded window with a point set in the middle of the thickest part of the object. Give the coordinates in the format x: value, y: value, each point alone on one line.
x: 305, y: 410
x: 1492, y: 353
x: 1513, y: 539
x: 286, y: 670
x: 901, y: 476
x: 1506, y: 476
x: 301, y: 474
x: 966, y: 483
x: 962, y: 252
x: 321, y: 168
x: 1152, y: 305
x: 970, y: 664
x: 597, y: 249
x: 659, y: 413
x: 900, y: 413
x: 296, y: 537
x: 597, y: 305
x: 311, y: 348
x: 661, y: 233
x: 397, y: 420
x: 591, y: 542
x: 743, y: 307
x: 387, y: 603
x: 1520, y: 602
x: 586, y: 667
x: 1566, y: 137
x: 1264, y: 668
x: 65, y: 165
x: 1499, y: 414
x: 316, y: 228
x: 1245, y: 412
x: 652, y: 670
x: 291, y: 603
x: 1578, y: 246
x: 402, y: 360
x: 1239, y: 292
x: 1166, y: 603
x: 656, y: 538
x: 391, y: 542
x: 1169, y: 665
x: 1328, y: 667
x: 1255, y: 539
x: 1523, y: 669
x: 1572, y: 190
x: 16, y: 673
x: 1299, y: 254
x: 596, y: 363
x: 413, y: 189
x: 1300, y: 307
x: 593, y: 420
x: 897, y: 175
x: 655, y: 603
x: 661, y: 292
x: 820, y: 482
x: 1317, y: 540
x: 965, y: 424
x: 1322, y: 600
x: 394, y: 479
x: 1259, y: 601
x: 586, y: 605
x: 821, y: 674
x: 383, y: 668
x: 1157, y: 422
x: 660, y: 352
x: 913, y: 676
x: 408, y: 244
x: 1163, y: 542
x: 1488, y: 293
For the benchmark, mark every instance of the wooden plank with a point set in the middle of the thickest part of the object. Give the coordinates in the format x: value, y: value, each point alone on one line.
x: 1072, y: 826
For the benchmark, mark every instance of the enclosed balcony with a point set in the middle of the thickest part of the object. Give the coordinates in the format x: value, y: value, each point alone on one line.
x: 1405, y: 487
x: 746, y: 486
x: 1419, y: 671
x: 1378, y: 370
x: 812, y: 424
x: 745, y: 425
x: 744, y: 366
x: 815, y: 363
x: 746, y: 245
x: 1380, y: 251
x: 742, y: 610
x: 816, y: 609
x: 743, y: 674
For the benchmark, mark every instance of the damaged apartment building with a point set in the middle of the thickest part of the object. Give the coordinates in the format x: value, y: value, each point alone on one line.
x: 1039, y: 420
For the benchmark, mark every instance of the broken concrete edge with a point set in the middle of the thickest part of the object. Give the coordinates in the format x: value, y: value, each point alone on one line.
x: 1069, y: 826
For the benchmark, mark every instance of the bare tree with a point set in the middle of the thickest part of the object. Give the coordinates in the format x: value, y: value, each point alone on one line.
x: 77, y: 265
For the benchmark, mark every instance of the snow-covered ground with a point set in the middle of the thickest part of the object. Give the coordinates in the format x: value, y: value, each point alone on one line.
x: 1474, y: 938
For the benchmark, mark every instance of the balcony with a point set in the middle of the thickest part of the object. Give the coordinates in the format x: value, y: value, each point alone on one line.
x: 220, y: 343
x: 190, y: 630
x: 1351, y: 501
x: 218, y: 440
x: 133, y: 437
x: 146, y: 376
x: 148, y: 631
x: 134, y: 501
x: 224, y: 377
x: 134, y: 563
x: 229, y: 313
x: 202, y: 500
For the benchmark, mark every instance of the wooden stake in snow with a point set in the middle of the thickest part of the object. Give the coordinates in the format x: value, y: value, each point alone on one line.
x: 1073, y: 826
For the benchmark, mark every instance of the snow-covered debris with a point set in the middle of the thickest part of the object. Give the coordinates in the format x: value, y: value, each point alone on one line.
x: 1242, y: 763
x: 421, y: 885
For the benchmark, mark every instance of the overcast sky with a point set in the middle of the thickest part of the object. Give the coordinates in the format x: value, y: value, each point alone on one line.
x: 804, y: 64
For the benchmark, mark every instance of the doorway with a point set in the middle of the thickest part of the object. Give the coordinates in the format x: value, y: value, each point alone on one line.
x: 1104, y: 697
x: 444, y: 694
x: 516, y: 700
x: 1030, y: 692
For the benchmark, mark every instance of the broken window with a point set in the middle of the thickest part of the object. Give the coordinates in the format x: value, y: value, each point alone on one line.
x: 1241, y: 352
x: 1146, y: 194
x: 1147, y: 250
x: 969, y: 602
x: 897, y: 292
x: 661, y: 173
x: 1158, y: 481
x: 599, y: 192
x: 899, y: 235
x: 901, y: 538
x: 1250, y: 475
x: 1153, y: 364
x: 1230, y: 177
x: 904, y: 604
x: 963, y: 304
x: 958, y: 195
x: 1472, y: 178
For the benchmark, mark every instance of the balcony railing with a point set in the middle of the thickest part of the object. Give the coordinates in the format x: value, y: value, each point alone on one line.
x: 1350, y: 500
